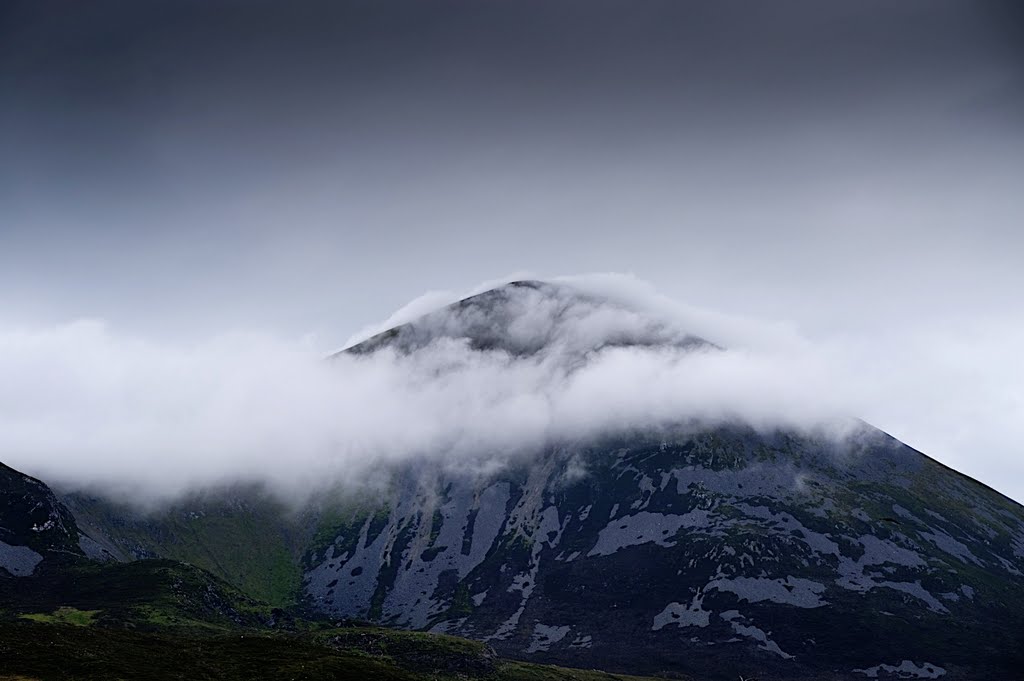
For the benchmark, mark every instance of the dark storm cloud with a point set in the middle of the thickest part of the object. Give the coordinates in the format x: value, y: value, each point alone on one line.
x: 91, y: 83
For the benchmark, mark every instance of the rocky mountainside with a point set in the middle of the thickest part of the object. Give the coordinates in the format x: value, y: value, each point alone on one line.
x: 716, y: 553
x: 36, y: 528
x: 706, y: 549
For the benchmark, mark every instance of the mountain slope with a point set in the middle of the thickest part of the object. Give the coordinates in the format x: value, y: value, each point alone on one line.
x: 241, y: 534
x: 713, y: 552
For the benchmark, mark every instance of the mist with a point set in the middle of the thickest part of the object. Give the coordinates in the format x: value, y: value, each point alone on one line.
x: 85, y: 406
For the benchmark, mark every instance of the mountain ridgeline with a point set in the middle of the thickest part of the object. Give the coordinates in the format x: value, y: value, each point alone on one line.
x: 691, y: 550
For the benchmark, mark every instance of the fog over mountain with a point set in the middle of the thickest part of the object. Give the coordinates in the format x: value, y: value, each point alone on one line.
x: 87, y: 406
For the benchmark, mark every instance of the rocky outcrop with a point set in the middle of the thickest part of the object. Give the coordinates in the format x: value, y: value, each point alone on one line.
x: 36, y: 528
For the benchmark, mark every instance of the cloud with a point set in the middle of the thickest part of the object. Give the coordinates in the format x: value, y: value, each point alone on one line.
x: 84, y: 406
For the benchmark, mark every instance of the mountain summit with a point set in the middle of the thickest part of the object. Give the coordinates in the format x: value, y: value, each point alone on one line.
x: 525, y: 318
x: 711, y: 549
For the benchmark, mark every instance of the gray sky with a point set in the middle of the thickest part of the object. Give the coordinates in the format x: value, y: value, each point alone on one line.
x: 854, y: 169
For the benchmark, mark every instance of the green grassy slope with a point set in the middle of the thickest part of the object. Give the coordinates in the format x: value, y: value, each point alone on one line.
x: 242, y: 534
x: 41, y: 651
x: 160, y: 619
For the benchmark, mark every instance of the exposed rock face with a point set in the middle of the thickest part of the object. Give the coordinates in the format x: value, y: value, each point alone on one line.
x: 717, y: 553
x: 35, y: 527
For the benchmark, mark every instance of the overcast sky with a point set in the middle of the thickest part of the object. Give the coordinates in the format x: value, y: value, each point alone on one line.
x: 853, y: 169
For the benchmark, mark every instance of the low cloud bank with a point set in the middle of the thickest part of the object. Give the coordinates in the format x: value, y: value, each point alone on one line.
x: 84, y: 406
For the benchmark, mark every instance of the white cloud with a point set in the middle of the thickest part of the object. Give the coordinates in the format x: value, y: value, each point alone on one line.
x: 83, y: 405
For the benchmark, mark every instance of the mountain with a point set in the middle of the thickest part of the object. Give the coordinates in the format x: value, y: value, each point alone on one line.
x: 704, y: 548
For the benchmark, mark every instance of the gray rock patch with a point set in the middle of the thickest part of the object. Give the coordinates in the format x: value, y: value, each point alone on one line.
x: 951, y: 546
x: 803, y: 593
x: 689, y: 615
x: 905, y: 670
x: 644, y: 528
x: 582, y: 641
x: 93, y: 550
x: 545, y: 636
x: 20, y: 561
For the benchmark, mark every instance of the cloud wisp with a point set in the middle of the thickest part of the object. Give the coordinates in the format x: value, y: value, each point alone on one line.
x: 83, y: 406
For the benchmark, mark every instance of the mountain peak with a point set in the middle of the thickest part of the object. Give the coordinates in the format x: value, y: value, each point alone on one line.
x: 530, y: 317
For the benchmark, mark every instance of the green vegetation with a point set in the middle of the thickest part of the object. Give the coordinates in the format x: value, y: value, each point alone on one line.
x: 74, y: 616
x: 143, y: 594
x: 37, y: 651
x: 340, y: 523
x: 253, y: 544
x: 378, y: 521
x: 461, y: 602
x: 160, y: 619
x: 240, y: 549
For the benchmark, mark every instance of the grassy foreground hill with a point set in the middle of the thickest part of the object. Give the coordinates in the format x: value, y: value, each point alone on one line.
x: 161, y: 619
